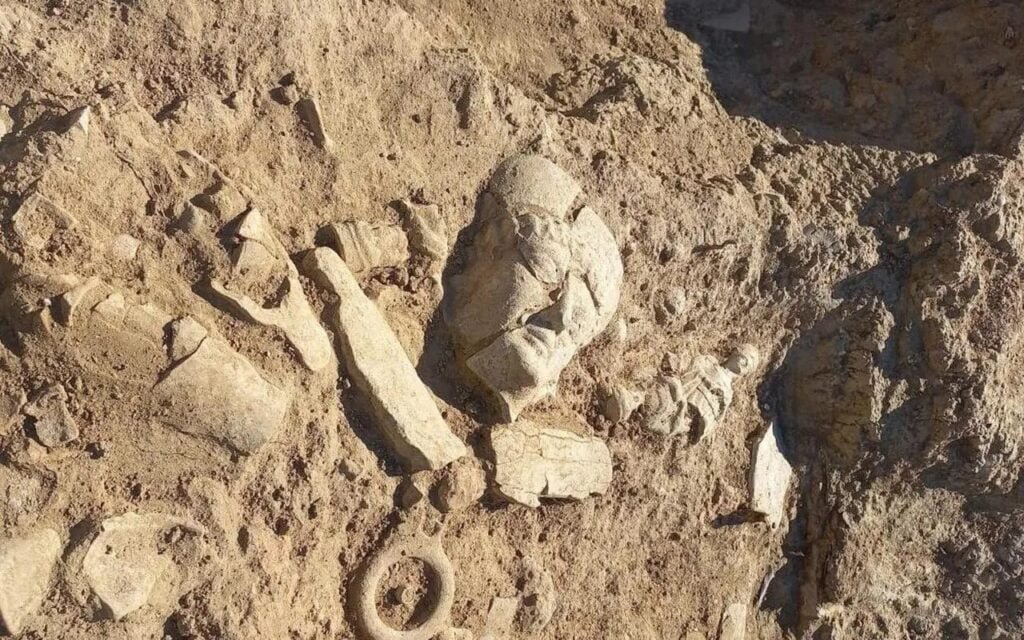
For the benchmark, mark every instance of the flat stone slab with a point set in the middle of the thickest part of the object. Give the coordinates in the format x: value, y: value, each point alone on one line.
x: 770, y: 475
x: 403, y: 407
x: 533, y: 462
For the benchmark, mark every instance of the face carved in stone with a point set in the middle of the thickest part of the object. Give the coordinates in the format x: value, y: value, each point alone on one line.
x: 542, y: 279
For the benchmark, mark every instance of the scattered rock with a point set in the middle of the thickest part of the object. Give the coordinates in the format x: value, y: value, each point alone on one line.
x: 537, y: 598
x: 377, y: 362
x: 533, y: 462
x: 124, y: 247
x: 770, y: 475
x: 419, y: 547
x: 52, y: 422
x: 123, y: 563
x: 286, y: 95
x: 462, y: 483
x: 216, y: 393
x: 694, y: 402
x: 309, y: 111
x: 67, y: 304
x: 539, y: 284
x: 78, y: 121
x: 620, y: 402
x: 410, y: 492
x: 364, y: 246
x: 38, y: 219
x: 259, y: 249
x: 26, y: 563
x: 455, y: 633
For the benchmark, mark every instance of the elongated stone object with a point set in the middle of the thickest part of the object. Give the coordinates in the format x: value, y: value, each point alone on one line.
x: 380, y: 368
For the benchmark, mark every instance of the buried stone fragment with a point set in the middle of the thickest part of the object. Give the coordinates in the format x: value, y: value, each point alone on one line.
x: 770, y: 475
x: 541, y: 281
x: 534, y: 462
x: 124, y: 563
x: 52, y: 422
x: 38, y: 219
x: 403, y: 407
x: 26, y: 563
x: 694, y: 402
x: 215, y: 392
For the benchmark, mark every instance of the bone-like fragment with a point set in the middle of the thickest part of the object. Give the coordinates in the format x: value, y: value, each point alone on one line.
x: 373, y: 356
x: 428, y: 233
x: 26, y: 563
x: 312, y: 116
x: 770, y: 475
x: 534, y: 462
x: 216, y: 393
x: 364, y: 246
x: 293, y: 317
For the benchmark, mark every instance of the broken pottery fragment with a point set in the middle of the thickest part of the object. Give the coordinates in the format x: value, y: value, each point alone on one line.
x: 38, y: 219
x: 364, y: 246
x: 26, y: 563
x: 694, y: 402
x: 403, y: 407
x: 215, y: 392
x: 533, y: 462
x: 53, y: 424
x: 124, y: 563
x: 259, y: 250
x: 542, y: 280
x: 427, y: 550
x: 770, y: 475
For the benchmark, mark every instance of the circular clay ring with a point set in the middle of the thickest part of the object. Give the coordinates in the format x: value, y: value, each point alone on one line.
x: 430, y: 553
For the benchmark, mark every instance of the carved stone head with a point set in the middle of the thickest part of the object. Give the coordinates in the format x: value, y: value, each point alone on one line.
x: 541, y: 281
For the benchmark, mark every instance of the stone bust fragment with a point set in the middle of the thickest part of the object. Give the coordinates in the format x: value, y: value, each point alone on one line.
x: 542, y: 279
x: 693, y: 403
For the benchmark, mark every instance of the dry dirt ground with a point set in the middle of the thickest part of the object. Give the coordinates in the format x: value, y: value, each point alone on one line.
x: 839, y: 184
